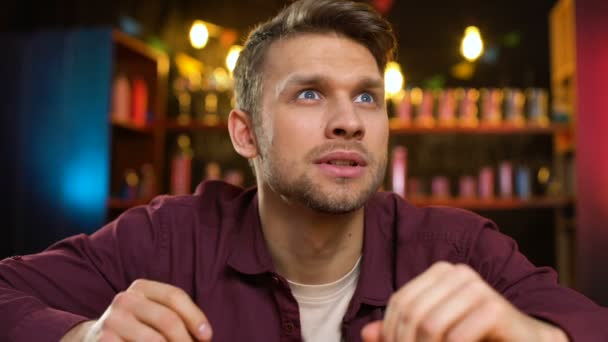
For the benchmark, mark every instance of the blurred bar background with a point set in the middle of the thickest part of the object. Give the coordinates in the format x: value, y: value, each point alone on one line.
x: 498, y: 107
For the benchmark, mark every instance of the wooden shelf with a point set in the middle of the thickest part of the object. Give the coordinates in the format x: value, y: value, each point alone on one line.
x: 129, y: 126
x: 195, y: 126
x: 137, y: 46
x: 122, y: 204
x: 397, y: 128
x: 496, y: 204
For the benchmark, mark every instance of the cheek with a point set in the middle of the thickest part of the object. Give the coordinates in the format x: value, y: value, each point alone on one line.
x: 296, y: 134
x: 377, y: 134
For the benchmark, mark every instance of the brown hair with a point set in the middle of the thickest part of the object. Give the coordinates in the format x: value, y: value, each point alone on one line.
x: 354, y: 20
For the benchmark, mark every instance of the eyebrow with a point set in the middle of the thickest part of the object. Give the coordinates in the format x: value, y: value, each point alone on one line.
x: 318, y: 80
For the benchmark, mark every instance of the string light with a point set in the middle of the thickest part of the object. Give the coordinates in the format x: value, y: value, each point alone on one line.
x: 472, y: 45
x: 393, y: 79
x: 199, y: 34
x: 233, y: 56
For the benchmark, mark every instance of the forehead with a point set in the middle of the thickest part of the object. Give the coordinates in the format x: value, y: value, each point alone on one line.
x: 328, y: 54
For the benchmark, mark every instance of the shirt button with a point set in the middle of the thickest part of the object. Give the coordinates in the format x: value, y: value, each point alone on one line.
x: 289, y: 327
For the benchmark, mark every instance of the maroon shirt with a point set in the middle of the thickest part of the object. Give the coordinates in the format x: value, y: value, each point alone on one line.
x: 211, y: 245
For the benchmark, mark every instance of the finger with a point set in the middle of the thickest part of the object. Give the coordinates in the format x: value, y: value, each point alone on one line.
x: 177, y: 300
x: 108, y: 336
x: 161, y: 318
x: 372, y: 332
x: 126, y: 327
x: 406, y: 294
x: 448, y: 286
x: 477, y: 325
x: 455, y: 307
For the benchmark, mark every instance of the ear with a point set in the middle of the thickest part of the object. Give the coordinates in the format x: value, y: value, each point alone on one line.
x: 240, y: 127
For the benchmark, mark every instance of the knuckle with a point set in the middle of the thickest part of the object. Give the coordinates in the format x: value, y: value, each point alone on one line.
x: 443, y: 265
x: 428, y: 329
x: 407, y: 316
x: 122, y: 299
x: 392, y: 302
x: 138, y: 284
x: 465, y: 270
x: 175, y: 296
x: 109, y: 322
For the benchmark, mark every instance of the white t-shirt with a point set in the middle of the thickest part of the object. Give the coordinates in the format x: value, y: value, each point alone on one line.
x: 322, y: 307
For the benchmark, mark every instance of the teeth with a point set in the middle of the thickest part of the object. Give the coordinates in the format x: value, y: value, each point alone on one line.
x: 343, y: 163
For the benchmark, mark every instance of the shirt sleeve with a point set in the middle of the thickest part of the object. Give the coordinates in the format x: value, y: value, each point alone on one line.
x: 535, y: 290
x: 43, y: 295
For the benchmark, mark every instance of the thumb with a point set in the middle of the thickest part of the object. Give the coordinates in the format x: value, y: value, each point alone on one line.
x: 372, y: 332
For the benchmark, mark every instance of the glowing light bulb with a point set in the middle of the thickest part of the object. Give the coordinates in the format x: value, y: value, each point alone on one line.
x: 472, y: 45
x: 199, y: 34
x: 393, y: 79
x: 233, y: 56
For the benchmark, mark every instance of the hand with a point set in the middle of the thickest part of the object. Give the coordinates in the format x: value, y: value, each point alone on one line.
x: 146, y: 311
x: 453, y: 303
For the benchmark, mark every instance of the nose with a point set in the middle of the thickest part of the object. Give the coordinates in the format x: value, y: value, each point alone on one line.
x: 344, y: 122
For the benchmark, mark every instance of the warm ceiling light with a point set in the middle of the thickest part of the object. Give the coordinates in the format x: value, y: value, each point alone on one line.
x: 472, y: 45
x: 393, y: 79
x: 199, y: 34
x: 233, y: 56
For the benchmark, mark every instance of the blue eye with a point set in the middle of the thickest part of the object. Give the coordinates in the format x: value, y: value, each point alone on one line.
x: 309, y: 95
x: 365, y: 97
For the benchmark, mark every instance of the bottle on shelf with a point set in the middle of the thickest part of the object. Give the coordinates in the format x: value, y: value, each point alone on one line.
x: 181, y: 167
x: 537, y: 107
x: 523, y: 187
x: 399, y: 170
x: 148, y: 187
x: 440, y: 187
x: 121, y: 99
x: 424, y: 116
x: 491, y: 101
x: 447, y: 108
x: 486, y: 183
x: 505, y: 179
x: 139, y: 102
x: 514, y: 107
x: 467, y: 187
x: 468, y: 108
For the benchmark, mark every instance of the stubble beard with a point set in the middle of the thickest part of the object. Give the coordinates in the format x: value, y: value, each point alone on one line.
x: 341, y: 197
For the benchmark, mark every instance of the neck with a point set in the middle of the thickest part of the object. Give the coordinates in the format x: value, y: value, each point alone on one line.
x: 307, y: 246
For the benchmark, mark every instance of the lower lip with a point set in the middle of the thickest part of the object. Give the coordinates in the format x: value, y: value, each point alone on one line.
x: 341, y: 171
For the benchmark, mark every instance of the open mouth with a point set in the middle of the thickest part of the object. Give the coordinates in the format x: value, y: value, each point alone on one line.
x: 342, y: 163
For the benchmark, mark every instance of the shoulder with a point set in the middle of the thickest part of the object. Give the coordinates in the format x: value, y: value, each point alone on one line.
x: 211, y: 200
x: 426, y: 221
x: 429, y: 228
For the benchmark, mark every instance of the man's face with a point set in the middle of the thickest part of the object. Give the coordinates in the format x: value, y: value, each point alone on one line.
x: 324, y: 127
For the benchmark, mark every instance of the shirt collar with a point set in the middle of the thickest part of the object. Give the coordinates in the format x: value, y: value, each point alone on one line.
x: 250, y: 255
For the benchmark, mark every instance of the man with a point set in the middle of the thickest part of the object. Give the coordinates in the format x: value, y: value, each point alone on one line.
x: 313, y: 252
